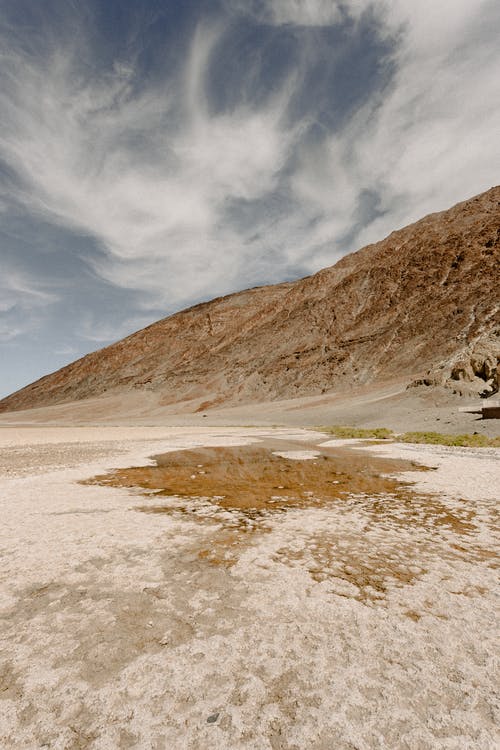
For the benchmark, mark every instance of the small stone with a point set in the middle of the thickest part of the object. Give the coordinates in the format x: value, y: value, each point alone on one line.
x: 212, y: 718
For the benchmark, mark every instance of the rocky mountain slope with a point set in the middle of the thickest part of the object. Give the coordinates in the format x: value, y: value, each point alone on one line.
x: 422, y: 304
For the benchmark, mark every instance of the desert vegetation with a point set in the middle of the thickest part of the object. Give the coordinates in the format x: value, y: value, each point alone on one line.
x: 437, y: 438
x: 473, y: 440
x: 346, y: 432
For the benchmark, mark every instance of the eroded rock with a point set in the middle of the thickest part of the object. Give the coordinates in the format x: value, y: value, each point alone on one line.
x: 473, y: 371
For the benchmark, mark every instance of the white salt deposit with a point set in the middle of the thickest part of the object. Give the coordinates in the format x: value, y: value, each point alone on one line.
x: 297, y: 455
x: 333, y: 627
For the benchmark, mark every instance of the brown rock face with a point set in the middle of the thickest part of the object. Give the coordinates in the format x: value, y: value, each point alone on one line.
x: 473, y: 370
x: 395, y: 309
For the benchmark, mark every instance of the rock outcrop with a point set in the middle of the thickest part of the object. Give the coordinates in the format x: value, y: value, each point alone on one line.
x: 472, y: 371
x: 427, y: 294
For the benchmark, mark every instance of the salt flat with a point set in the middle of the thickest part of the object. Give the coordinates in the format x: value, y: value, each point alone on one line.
x: 367, y: 623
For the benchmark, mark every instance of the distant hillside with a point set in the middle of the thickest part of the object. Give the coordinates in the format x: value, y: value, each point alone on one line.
x: 427, y: 298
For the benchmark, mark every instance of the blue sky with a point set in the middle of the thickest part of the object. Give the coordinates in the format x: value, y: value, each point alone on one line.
x: 155, y: 154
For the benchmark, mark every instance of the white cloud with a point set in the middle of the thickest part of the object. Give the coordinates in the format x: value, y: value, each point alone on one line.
x: 22, y: 301
x: 149, y: 175
x: 91, y: 328
x: 429, y: 141
x: 152, y: 175
x: 301, y: 12
x: 66, y: 351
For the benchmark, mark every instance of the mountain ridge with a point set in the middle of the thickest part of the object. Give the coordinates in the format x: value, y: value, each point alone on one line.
x: 400, y: 307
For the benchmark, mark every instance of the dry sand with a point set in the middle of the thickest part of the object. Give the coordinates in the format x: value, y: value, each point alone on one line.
x: 366, y: 623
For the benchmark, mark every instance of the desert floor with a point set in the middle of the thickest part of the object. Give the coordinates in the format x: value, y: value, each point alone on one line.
x: 366, y: 622
x: 392, y: 405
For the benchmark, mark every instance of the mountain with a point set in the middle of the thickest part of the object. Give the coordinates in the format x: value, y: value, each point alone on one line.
x: 421, y: 305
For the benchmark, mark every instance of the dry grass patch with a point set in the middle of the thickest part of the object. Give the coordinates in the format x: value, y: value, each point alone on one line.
x: 425, y: 438
x: 437, y: 438
x: 346, y: 432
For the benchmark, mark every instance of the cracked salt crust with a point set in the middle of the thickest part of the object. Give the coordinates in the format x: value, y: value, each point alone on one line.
x: 116, y: 634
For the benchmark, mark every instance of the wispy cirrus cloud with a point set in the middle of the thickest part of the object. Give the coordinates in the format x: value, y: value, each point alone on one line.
x: 430, y: 142
x: 293, y: 12
x: 148, y: 174
x: 21, y: 301
x: 420, y: 143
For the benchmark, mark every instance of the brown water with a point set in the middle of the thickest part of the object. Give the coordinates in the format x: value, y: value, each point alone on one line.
x: 240, y: 492
x: 253, y: 478
x: 253, y: 482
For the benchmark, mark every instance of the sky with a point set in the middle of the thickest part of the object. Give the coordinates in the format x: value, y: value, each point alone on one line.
x: 158, y: 153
